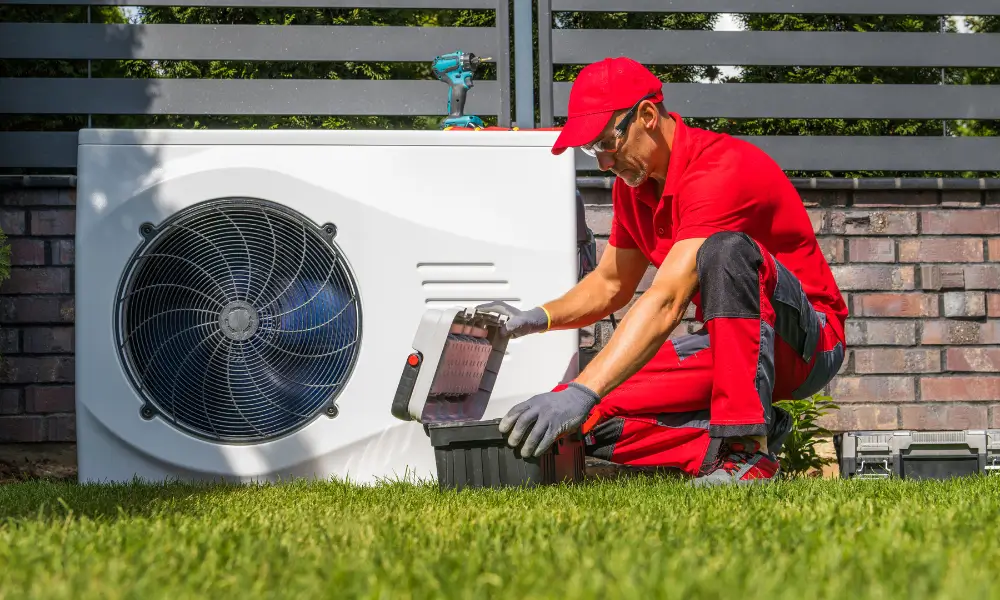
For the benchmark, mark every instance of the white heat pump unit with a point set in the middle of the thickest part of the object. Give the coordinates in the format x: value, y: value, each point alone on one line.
x: 246, y: 300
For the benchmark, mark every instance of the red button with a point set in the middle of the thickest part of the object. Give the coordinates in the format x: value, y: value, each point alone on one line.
x: 413, y: 360
x: 660, y: 231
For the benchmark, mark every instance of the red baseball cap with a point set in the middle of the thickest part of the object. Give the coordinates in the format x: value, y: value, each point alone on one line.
x: 600, y: 89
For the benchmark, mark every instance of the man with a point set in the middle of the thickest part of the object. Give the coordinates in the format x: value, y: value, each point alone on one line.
x: 727, y: 231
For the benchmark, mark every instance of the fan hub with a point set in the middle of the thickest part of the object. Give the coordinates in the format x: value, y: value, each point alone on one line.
x: 238, y: 320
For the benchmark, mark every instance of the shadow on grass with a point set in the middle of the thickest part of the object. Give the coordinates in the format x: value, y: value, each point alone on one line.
x: 42, y: 499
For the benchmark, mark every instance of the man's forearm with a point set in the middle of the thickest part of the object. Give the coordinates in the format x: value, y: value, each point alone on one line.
x: 636, y: 340
x: 586, y: 303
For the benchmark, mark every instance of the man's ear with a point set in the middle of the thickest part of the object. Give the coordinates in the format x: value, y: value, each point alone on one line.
x: 649, y: 115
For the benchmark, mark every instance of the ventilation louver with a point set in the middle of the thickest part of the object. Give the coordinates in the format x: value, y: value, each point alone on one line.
x: 238, y: 320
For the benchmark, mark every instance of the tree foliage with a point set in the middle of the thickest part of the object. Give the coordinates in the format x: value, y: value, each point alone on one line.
x: 859, y: 25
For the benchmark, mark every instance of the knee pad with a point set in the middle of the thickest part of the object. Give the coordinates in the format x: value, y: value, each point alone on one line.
x: 728, y: 266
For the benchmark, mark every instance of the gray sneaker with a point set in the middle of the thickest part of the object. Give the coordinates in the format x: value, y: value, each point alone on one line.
x: 740, y: 463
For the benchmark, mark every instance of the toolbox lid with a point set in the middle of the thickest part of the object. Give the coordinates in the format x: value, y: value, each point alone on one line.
x: 449, y: 375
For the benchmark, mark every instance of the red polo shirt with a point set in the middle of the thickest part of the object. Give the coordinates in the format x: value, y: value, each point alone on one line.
x: 714, y: 183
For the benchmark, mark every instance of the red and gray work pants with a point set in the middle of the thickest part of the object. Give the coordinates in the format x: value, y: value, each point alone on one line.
x: 762, y: 340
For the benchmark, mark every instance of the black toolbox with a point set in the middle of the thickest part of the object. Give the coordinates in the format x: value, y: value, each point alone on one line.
x: 446, y: 385
x: 475, y: 454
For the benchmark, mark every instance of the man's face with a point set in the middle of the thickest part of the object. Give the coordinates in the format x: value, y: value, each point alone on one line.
x: 627, y: 155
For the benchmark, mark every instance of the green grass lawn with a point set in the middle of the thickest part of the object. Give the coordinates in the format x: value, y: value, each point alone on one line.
x: 642, y: 537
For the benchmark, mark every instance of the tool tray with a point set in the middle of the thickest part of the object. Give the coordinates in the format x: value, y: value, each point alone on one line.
x: 470, y: 452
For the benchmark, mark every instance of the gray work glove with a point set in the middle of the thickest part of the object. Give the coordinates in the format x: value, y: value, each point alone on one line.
x: 519, y: 322
x: 541, y: 419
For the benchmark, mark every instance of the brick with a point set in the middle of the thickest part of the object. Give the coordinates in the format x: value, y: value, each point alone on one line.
x: 818, y: 219
x: 959, y: 389
x: 21, y: 429
x: 931, y: 250
x: 27, y: 252
x: 993, y: 305
x: 882, y: 250
x: 47, y: 340
x: 994, y: 416
x: 942, y: 416
x: 38, y: 369
x: 964, y: 304
x: 10, y: 341
x: 960, y: 332
x: 857, y: 222
x: 874, y: 277
x: 855, y: 332
x: 852, y: 417
x: 982, y: 277
x: 824, y: 197
x: 63, y: 252
x: 832, y: 249
x: 599, y: 219
x: 35, y: 280
x: 49, y: 399
x: 60, y: 428
x: 961, y: 198
x: 982, y: 360
x: 38, y: 197
x: 993, y: 249
x: 37, y: 310
x: 895, y: 305
x: 12, y: 222
x: 896, y: 360
x: 942, y: 277
x: 958, y: 222
x: 868, y: 389
x: 647, y: 279
x: 10, y: 401
x: 53, y: 222
x: 888, y: 198
x: 890, y: 333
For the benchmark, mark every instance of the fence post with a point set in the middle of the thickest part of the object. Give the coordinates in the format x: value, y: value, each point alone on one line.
x: 524, y: 65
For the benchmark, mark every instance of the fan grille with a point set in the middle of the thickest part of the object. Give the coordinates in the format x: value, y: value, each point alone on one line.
x: 238, y: 320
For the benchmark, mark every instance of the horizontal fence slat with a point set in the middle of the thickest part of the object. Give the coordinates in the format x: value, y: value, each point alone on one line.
x: 824, y: 7
x: 832, y: 101
x: 861, y: 153
x: 819, y: 48
x: 238, y: 96
x: 428, y: 4
x: 38, y: 150
x: 240, y: 42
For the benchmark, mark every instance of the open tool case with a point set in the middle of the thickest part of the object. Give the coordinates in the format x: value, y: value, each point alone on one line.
x: 446, y: 385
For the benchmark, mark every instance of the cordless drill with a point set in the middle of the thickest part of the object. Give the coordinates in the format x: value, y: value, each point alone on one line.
x: 457, y: 69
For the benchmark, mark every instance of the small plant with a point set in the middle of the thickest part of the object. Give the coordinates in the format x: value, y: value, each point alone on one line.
x: 799, y: 456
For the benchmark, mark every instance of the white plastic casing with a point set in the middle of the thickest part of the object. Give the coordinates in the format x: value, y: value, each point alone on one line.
x: 430, y: 341
x: 425, y: 219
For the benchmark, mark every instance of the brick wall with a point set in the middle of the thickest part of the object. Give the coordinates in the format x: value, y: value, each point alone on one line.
x: 920, y: 269
x: 36, y: 316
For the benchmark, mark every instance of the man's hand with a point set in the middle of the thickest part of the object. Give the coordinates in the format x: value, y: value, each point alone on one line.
x: 540, y: 420
x: 519, y: 322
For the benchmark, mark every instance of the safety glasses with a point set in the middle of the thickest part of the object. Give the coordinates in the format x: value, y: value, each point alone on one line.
x: 610, y: 145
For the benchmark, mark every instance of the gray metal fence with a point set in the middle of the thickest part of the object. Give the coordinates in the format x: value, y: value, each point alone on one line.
x: 107, y: 96
x: 752, y: 100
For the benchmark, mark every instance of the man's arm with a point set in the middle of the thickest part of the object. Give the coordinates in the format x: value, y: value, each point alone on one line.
x: 604, y: 290
x: 649, y: 322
